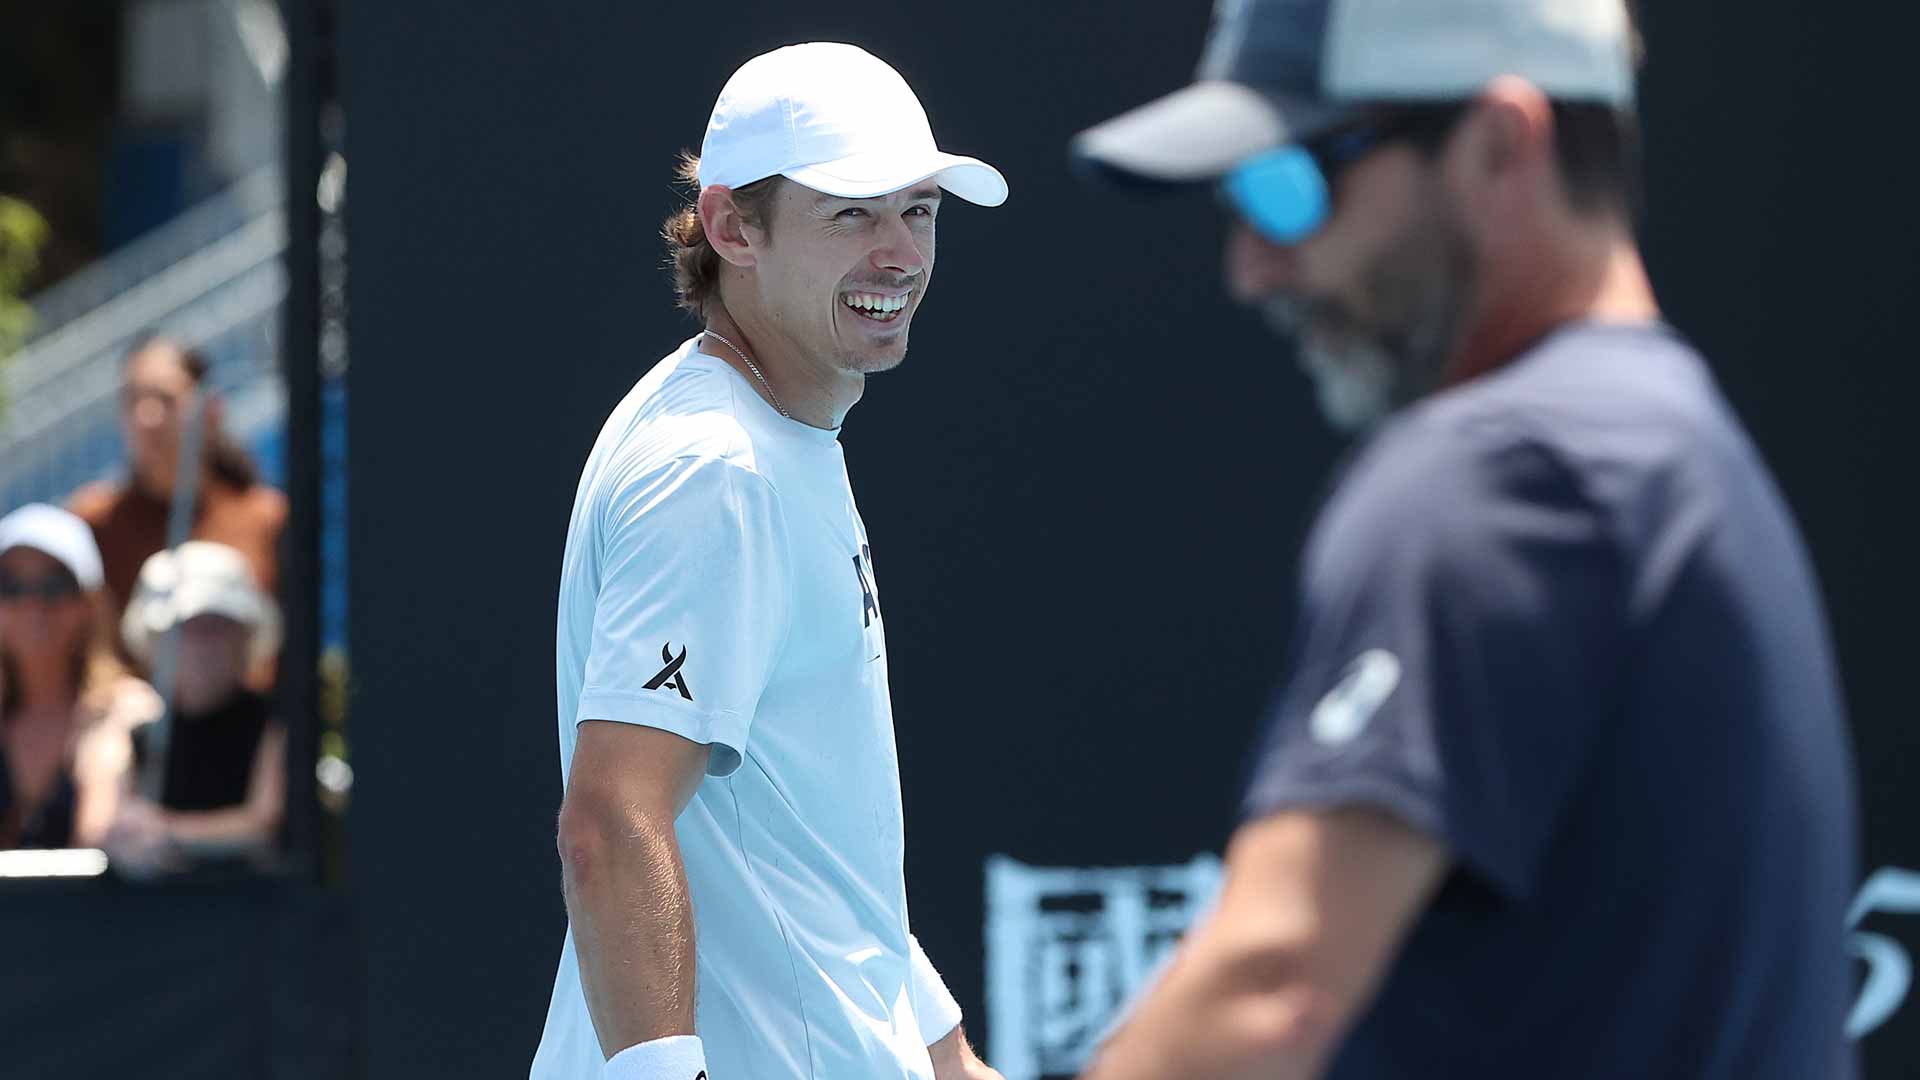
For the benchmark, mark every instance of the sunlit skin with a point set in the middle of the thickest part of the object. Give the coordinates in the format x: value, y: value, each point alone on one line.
x: 1536, y: 262
x: 155, y: 400
x: 784, y: 282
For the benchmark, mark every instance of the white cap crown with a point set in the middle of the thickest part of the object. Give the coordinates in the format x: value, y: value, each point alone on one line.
x: 58, y: 533
x: 837, y: 119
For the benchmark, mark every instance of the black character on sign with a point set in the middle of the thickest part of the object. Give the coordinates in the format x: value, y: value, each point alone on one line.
x: 869, y: 607
x: 671, y: 676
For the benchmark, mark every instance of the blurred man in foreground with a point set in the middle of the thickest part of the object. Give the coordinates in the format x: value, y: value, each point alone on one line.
x: 732, y: 817
x: 1559, y: 783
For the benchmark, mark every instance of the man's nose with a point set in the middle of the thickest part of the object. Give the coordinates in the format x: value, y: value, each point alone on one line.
x: 1257, y: 267
x: 899, y: 249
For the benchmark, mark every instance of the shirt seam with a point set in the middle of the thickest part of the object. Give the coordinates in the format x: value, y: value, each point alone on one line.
x: 786, y: 540
x: 779, y: 920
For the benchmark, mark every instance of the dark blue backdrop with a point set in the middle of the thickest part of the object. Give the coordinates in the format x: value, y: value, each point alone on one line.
x: 1086, y: 486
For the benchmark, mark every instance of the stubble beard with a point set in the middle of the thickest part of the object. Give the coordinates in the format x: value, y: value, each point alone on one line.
x: 1370, y: 358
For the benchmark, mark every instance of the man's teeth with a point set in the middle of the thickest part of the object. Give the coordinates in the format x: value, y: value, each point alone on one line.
x: 875, y: 306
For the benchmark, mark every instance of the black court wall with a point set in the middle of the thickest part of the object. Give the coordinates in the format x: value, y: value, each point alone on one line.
x: 1085, y: 488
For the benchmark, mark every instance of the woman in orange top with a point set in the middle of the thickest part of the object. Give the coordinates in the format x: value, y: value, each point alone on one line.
x: 164, y: 380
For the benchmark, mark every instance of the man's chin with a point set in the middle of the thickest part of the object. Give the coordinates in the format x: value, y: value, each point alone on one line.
x: 876, y: 365
x: 1353, y: 382
x: 876, y: 359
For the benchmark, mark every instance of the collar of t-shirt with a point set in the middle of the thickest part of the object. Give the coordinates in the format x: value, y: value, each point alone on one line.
x: 780, y: 423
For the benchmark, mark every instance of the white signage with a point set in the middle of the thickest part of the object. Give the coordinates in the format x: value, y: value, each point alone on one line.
x: 1889, y: 969
x: 1067, y: 945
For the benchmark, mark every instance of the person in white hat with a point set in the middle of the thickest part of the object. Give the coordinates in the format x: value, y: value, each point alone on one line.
x: 223, y: 783
x: 65, y: 701
x: 731, y: 833
x: 1558, y: 784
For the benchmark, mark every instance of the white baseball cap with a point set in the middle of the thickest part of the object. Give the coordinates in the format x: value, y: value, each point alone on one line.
x: 55, y: 532
x: 1277, y: 71
x: 837, y: 119
x: 199, y: 577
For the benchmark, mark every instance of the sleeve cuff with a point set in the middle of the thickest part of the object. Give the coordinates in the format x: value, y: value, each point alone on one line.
x: 933, y: 1004
x: 1412, y: 810
x: 721, y: 731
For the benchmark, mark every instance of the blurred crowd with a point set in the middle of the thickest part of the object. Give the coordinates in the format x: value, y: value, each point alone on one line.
x: 135, y: 676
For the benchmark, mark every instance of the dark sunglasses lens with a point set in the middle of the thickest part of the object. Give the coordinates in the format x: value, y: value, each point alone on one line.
x: 47, y: 588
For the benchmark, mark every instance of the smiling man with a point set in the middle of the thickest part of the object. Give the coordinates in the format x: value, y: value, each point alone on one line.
x: 731, y: 835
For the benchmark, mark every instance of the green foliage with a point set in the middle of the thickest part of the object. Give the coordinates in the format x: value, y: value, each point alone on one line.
x: 22, y: 234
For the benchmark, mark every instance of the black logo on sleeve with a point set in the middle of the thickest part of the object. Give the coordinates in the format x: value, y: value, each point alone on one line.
x: 670, y: 676
x: 869, y: 607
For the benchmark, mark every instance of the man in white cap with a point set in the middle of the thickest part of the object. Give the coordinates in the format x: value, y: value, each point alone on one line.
x: 731, y: 835
x: 1559, y: 782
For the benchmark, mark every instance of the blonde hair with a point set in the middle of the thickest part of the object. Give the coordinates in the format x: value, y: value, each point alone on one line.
x: 695, y: 265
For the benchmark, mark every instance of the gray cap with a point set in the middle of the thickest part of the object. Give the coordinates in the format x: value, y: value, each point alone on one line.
x: 1275, y: 71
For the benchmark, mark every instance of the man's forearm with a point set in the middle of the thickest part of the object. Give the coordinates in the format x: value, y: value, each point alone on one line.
x: 626, y: 892
x: 1215, y: 1016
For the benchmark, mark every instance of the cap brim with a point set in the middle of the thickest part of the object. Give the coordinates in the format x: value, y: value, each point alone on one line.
x: 865, y: 176
x: 152, y: 616
x: 1197, y: 133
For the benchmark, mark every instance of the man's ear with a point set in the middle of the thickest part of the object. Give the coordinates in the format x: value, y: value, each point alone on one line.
x: 726, y: 230
x: 1515, y: 127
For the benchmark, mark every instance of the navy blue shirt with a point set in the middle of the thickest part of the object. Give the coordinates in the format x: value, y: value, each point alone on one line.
x: 1559, y: 619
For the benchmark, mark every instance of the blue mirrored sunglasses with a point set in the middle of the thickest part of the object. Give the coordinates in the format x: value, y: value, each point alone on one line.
x: 1286, y: 193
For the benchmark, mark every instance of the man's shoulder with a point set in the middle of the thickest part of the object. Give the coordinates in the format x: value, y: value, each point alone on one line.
x: 1611, y: 436
x: 1602, y: 411
x: 1596, y: 391
x: 686, y: 408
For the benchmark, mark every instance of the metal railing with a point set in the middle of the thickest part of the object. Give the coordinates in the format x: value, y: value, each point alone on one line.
x: 213, y: 277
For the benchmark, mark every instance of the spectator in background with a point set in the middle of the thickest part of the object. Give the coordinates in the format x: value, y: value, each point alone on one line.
x: 224, y: 786
x: 164, y: 379
x: 66, y: 703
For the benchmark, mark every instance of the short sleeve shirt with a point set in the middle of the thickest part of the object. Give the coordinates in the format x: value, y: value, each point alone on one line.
x: 1559, y: 619
x: 718, y: 583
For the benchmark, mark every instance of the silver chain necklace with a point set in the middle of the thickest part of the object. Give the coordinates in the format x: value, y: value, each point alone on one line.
x: 775, y: 398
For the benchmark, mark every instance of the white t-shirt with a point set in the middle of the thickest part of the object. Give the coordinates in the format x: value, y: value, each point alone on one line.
x: 718, y: 584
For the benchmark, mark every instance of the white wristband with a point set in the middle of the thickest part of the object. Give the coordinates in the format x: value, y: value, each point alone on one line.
x: 676, y: 1057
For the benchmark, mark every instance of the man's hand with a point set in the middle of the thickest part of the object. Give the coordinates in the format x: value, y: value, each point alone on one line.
x: 953, y: 1059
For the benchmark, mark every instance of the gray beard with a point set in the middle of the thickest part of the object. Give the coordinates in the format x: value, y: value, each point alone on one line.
x: 1365, y: 368
x: 1354, y: 378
